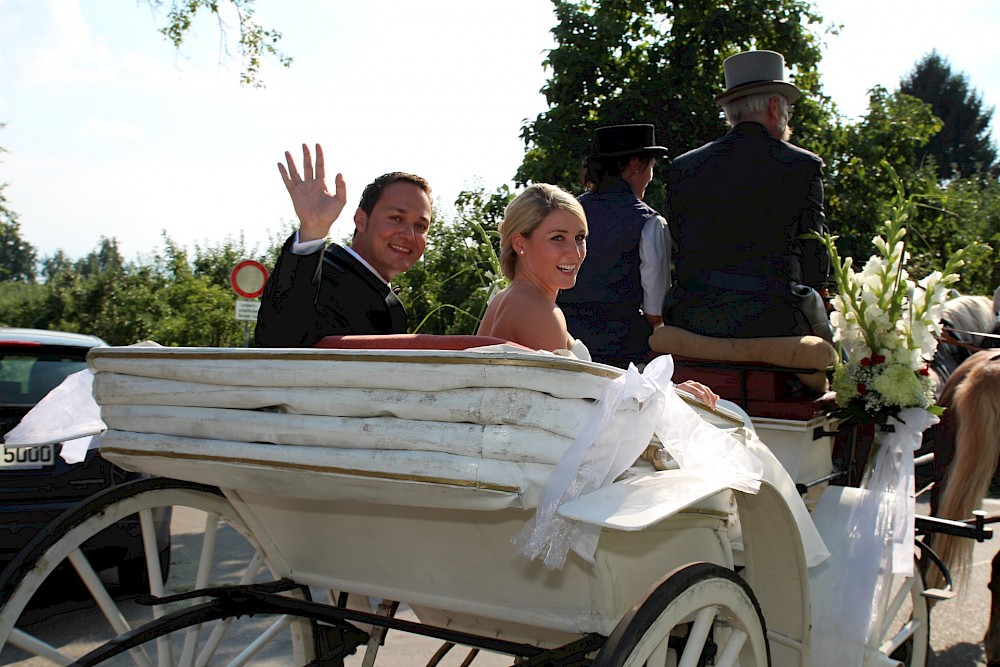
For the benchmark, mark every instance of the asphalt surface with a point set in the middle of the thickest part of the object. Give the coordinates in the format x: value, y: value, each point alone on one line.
x: 958, y: 625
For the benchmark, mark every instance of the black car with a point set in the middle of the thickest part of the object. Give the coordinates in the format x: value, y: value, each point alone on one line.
x: 36, y: 485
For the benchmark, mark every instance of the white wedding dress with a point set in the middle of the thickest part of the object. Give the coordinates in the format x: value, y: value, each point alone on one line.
x: 578, y: 351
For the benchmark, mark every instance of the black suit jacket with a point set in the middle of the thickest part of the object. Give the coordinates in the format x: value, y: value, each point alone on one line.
x: 737, y: 209
x: 326, y: 293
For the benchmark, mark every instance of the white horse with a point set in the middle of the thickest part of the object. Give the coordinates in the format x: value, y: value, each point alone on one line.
x: 965, y: 321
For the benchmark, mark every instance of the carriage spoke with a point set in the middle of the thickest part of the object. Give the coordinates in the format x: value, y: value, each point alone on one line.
x: 152, y: 555
x: 97, y: 590
x: 155, y: 578
x: 104, y: 601
x: 255, y: 646
x: 33, y: 645
x: 731, y: 653
x: 253, y: 567
x: 698, y: 636
x: 204, y: 575
x: 899, y: 597
x: 908, y: 630
x: 202, y: 580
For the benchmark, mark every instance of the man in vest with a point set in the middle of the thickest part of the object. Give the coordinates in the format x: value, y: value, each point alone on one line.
x: 619, y: 291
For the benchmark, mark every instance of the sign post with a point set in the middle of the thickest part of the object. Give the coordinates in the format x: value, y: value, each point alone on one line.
x: 248, y: 279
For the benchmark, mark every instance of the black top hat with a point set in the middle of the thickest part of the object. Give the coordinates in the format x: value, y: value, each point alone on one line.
x: 756, y: 72
x: 618, y: 140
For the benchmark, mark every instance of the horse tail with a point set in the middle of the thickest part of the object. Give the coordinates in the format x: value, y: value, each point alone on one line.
x: 975, y: 406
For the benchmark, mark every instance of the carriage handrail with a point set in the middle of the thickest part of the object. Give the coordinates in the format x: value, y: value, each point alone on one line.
x: 973, y: 528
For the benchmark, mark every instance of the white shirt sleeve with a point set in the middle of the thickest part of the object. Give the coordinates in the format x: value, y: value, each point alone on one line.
x: 307, y: 247
x: 654, y: 264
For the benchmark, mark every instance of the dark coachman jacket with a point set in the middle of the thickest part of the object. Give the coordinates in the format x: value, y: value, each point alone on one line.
x: 326, y: 293
x: 737, y: 211
x: 602, y: 309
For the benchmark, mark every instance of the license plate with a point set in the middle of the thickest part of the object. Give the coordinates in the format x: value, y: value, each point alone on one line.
x: 20, y: 458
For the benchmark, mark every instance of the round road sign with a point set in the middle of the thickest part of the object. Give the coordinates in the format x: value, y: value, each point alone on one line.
x: 248, y: 278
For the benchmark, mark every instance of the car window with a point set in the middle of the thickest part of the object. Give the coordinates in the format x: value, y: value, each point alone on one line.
x: 26, y: 378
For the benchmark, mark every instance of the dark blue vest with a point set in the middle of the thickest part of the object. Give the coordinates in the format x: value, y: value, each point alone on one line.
x: 602, y: 309
x: 610, y: 274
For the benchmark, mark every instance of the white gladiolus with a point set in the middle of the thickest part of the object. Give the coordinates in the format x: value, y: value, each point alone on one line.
x: 887, y: 325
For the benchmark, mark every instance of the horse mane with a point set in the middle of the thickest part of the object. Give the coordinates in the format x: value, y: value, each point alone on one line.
x: 962, y: 318
x: 972, y: 397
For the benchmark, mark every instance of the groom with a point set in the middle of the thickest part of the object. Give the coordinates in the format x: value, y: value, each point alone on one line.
x: 319, y: 289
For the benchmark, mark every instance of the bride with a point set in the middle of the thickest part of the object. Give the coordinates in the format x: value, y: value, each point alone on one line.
x: 543, y: 242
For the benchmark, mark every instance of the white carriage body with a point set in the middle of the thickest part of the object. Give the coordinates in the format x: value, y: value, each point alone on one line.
x: 405, y: 475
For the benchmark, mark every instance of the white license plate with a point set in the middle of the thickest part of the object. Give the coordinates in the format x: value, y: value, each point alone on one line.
x: 15, y: 458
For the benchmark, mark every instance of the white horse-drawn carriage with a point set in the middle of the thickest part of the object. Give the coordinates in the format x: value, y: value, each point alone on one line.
x: 484, y: 488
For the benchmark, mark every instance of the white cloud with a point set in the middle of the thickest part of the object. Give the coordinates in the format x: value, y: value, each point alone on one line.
x: 66, y: 51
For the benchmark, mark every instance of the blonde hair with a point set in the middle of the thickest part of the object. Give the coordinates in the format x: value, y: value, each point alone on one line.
x: 526, y: 212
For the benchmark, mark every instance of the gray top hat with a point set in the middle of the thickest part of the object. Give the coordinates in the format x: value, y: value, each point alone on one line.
x: 618, y: 140
x: 756, y: 72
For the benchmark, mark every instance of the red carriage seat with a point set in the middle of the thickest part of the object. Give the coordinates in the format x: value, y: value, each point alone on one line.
x: 763, y: 390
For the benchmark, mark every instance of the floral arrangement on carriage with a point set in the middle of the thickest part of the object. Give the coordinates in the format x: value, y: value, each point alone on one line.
x: 887, y: 325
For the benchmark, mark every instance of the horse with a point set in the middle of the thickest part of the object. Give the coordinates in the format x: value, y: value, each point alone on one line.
x: 967, y: 441
x: 969, y: 325
x: 964, y: 320
x: 968, y: 448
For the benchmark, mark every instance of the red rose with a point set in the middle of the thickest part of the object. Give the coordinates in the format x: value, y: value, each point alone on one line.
x: 862, y: 389
x: 925, y: 371
x: 866, y: 362
x: 877, y: 359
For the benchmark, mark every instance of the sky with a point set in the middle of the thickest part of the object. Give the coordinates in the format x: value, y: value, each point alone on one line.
x: 112, y: 132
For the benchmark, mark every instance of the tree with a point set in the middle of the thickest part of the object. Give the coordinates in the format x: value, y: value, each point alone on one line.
x: 964, y: 211
x: 167, y: 296
x: 656, y: 61
x: 256, y: 43
x: 963, y: 146
x: 196, y: 300
x: 858, y: 191
x: 660, y: 61
x: 17, y: 256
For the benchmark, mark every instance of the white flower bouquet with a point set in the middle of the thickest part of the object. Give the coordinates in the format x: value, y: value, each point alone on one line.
x: 887, y: 325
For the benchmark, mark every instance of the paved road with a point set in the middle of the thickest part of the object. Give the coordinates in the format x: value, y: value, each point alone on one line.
x: 958, y: 625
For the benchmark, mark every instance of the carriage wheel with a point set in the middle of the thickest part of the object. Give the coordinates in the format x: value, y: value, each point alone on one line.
x: 58, y: 608
x: 904, y: 621
x: 700, y: 613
